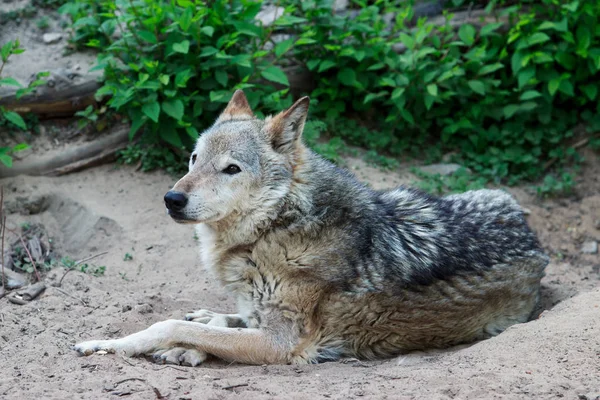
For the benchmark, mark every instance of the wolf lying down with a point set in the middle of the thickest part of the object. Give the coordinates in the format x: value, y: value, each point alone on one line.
x: 324, y: 267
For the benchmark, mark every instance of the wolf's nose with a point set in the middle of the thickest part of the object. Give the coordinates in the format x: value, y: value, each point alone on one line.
x: 175, y: 201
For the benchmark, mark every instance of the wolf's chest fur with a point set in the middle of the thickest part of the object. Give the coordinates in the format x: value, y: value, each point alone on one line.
x: 404, y: 272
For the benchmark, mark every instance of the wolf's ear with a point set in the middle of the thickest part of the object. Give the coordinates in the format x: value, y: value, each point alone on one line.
x: 285, y: 129
x: 237, y: 108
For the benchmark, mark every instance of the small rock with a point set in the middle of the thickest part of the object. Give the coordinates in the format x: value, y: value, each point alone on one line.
x: 340, y: 5
x: 143, y: 308
x: 526, y: 211
x: 597, y: 224
x: 589, y: 247
x: 442, y: 169
x: 590, y: 396
x: 126, y: 308
x: 50, y: 38
x: 269, y: 14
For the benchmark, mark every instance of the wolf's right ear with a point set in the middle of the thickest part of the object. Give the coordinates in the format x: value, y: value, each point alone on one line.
x: 237, y: 108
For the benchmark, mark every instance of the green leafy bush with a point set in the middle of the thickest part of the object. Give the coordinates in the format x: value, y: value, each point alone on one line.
x: 169, y: 66
x: 505, y: 97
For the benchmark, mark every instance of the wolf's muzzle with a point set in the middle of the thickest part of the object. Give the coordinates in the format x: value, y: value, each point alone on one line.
x: 175, y: 201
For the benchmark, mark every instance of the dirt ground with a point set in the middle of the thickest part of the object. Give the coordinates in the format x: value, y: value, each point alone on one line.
x: 119, y: 210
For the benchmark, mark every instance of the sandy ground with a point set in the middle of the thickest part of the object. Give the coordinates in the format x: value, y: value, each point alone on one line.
x: 116, y: 209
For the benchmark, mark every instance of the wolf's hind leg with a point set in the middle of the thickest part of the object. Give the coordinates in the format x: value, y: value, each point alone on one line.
x: 215, y: 319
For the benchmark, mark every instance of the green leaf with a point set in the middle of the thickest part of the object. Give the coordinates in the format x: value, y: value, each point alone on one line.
x: 185, y: 21
x: 282, y: 47
x: 477, y: 86
x: 164, y: 79
x: 6, y: 160
x: 591, y: 91
x: 584, y: 37
x: 173, y: 108
x: 397, y: 93
x: 432, y: 89
x: 182, y: 47
x: 566, y: 87
x: 510, y: 110
x: 15, y: 119
x: 168, y: 133
x: 312, y: 64
x: 408, y: 41
x: 10, y: 82
x: 572, y: 6
x: 303, y: 40
x: 429, y: 100
x: 192, y: 132
x: 221, y: 77
x: 275, y: 74
x: 208, y: 30
x: 325, y: 65
x: 489, y: 28
x: 137, y: 121
x: 553, y: 86
x: 347, y: 76
x: 407, y: 116
x: 148, y: 36
x: 247, y: 28
x: 525, y: 75
x: 530, y: 94
x: 537, y: 38
x: 488, y: 69
x: 466, y: 33
x: 208, y: 51
x: 152, y: 110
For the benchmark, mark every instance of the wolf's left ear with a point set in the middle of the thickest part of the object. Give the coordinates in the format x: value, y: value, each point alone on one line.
x: 285, y: 129
x: 237, y: 108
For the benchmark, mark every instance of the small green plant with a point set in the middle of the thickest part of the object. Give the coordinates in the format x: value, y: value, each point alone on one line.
x: 556, y: 186
x: 123, y: 276
x: 43, y: 23
x: 150, y: 157
x: 85, y: 268
x: 127, y: 257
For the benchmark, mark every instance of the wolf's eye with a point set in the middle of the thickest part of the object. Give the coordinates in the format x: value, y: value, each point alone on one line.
x: 232, y: 169
x: 193, y: 159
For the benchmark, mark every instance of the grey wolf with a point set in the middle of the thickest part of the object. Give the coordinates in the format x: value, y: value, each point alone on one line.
x: 324, y: 267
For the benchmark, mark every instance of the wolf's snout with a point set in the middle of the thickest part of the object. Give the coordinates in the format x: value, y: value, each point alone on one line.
x: 175, y: 201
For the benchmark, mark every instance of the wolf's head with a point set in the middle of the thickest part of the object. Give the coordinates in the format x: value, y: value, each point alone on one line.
x: 241, y: 165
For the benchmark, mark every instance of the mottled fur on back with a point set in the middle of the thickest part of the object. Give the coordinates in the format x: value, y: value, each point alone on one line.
x: 322, y: 266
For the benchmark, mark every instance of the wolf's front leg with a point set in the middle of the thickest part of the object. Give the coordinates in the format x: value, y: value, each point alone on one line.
x: 249, y: 346
x: 216, y: 319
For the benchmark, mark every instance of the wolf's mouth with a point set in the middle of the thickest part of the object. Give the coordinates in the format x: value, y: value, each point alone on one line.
x: 181, y: 218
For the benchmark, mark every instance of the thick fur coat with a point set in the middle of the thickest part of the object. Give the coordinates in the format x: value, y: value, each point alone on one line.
x: 324, y: 267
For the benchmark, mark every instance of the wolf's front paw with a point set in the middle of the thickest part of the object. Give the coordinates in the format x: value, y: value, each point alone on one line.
x: 180, y: 356
x: 216, y: 319
x: 92, y: 346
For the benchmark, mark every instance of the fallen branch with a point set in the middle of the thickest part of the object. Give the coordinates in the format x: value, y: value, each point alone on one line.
x: 72, y: 296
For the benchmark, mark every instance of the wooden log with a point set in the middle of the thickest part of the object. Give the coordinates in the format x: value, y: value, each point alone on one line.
x: 72, y: 158
x: 57, y: 99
